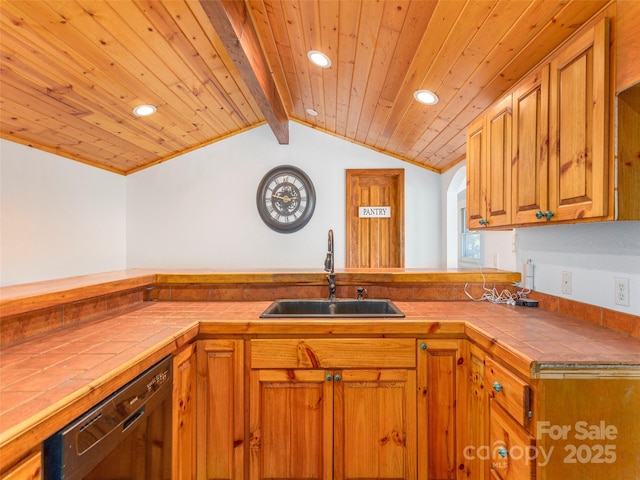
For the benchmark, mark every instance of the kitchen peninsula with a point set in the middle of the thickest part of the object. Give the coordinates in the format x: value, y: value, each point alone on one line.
x: 553, y: 371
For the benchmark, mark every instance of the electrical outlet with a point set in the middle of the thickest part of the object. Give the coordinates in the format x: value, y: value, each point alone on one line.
x: 566, y: 283
x: 622, y: 291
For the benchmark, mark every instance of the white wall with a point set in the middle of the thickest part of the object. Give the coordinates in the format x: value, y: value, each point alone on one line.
x: 497, y: 250
x: 450, y: 183
x: 595, y: 254
x: 199, y: 210
x: 58, y: 218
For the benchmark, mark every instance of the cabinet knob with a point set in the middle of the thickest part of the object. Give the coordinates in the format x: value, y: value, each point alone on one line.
x: 548, y: 215
x: 502, y: 452
x: 423, y: 346
x: 482, y: 221
x: 329, y: 377
x: 496, y: 386
x: 337, y: 378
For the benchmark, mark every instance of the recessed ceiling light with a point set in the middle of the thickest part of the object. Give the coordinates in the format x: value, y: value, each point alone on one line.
x: 312, y: 112
x: 319, y: 58
x: 426, y: 96
x: 144, y: 110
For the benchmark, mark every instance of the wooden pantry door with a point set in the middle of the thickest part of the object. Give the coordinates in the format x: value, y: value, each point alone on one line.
x: 375, y: 237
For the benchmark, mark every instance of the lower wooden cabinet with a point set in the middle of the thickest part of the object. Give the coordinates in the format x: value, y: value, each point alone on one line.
x: 183, y: 446
x: 513, y: 450
x: 375, y: 424
x: 401, y: 408
x: 220, y: 413
x: 474, y: 416
x: 588, y: 424
x: 440, y: 371
x: 28, y: 469
x: 334, y: 422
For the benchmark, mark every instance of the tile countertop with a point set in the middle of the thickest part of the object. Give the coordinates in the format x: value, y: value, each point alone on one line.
x: 40, y: 378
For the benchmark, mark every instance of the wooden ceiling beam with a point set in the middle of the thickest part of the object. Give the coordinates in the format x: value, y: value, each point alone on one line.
x: 232, y: 22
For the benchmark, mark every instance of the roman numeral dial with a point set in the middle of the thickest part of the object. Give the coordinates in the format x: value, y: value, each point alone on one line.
x: 286, y: 199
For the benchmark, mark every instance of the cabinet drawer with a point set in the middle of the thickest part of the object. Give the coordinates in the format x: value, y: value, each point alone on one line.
x: 512, y: 448
x: 333, y: 353
x: 513, y: 394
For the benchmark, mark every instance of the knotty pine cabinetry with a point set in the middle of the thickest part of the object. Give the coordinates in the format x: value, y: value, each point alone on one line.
x: 489, y: 167
x: 586, y: 423
x: 561, y: 167
x: 628, y: 29
x: 333, y: 408
x: 28, y: 469
x: 441, y: 369
x: 579, y: 166
x: 628, y: 188
x: 220, y: 414
x: 510, y: 413
x: 497, y: 427
x: 183, y: 446
x: 474, y: 416
x: 529, y: 170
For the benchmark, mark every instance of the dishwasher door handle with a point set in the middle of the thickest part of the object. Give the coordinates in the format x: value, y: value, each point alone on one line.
x: 132, y: 419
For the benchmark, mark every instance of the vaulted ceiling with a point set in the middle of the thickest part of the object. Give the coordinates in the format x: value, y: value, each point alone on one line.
x: 72, y: 71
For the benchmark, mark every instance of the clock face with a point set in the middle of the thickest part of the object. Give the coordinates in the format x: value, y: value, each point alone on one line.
x: 286, y: 199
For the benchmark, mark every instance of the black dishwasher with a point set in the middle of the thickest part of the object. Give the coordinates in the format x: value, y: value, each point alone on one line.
x: 127, y: 435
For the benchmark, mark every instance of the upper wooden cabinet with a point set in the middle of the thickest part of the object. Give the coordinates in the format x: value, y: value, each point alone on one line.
x: 489, y: 168
x: 476, y: 168
x: 530, y: 166
x: 556, y: 166
x: 578, y: 127
x: 628, y: 141
x: 627, y: 47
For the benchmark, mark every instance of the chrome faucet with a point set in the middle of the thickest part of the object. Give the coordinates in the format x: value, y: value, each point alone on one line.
x: 329, y: 267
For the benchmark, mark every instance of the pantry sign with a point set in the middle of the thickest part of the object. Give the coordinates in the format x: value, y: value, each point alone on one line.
x: 374, y: 212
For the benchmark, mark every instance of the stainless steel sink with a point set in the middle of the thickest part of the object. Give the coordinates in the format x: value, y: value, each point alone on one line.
x: 338, y: 308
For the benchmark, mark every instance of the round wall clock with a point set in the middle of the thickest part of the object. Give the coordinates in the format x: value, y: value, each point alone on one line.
x: 286, y: 199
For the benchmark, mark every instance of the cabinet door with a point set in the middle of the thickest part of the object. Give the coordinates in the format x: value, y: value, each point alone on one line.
x: 474, y: 418
x: 440, y: 369
x: 489, y: 168
x: 498, y: 159
x: 183, y: 466
x: 529, y: 181
x: 28, y: 469
x: 476, y: 192
x: 291, y: 415
x: 513, y: 452
x: 220, y: 409
x: 375, y: 424
x: 578, y: 126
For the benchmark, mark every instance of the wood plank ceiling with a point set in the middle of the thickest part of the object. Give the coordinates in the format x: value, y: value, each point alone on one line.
x: 72, y: 70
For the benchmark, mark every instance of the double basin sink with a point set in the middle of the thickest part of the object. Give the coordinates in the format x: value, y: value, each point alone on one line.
x: 336, y: 308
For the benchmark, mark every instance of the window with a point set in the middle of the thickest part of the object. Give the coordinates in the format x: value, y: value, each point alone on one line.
x: 470, y: 242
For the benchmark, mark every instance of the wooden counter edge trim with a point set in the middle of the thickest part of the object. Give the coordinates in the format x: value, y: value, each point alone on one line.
x: 321, y: 327
x: 82, y: 288
x: 19, y: 439
x: 29, y: 303
x: 319, y: 278
x: 523, y: 364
